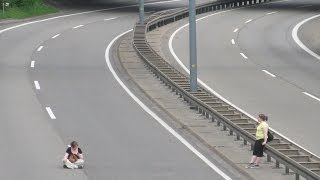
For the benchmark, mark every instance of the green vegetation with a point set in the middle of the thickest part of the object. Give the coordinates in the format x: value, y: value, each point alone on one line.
x: 19, y: 9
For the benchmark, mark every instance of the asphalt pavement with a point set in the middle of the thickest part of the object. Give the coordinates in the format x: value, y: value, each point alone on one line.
x: 249, y: 57
x: 56, y: 88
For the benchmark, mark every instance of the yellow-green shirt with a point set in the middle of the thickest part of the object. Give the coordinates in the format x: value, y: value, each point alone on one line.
x: 259, y: 133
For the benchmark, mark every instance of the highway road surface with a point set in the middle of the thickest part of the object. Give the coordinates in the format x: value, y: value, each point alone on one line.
x: 249, y: 56
x: 56, y: 87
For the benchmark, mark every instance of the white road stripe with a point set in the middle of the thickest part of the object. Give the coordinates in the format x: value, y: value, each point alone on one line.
x: 248, y: 21
x: 55, y: 36
x: 297, y: 40
x: 37, y: 85
x: 32, y: 64
x: 156, y: 117
x: 232, y: 41
x: 271, y: 13
x: 77, y: 26
x: 236, y: 30
x: 267, y: 72
x: 312, y: 96
x: 40, y: 48
x: 108, y: 19
x: 52, y: 116
x: 244, y: 56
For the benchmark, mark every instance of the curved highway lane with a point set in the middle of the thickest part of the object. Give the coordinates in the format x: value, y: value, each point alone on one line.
x: 56, y: 88
x: 249, y: 57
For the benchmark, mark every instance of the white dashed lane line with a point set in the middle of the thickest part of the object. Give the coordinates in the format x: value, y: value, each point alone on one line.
x: 271, y: 13
x: 312, y: 96
x: 304, y: 6
x: 77, y: 26
x: 244, y: 56
x: 37, y: 85
x: 108, y: 19
x: 232, y: 41
x: 52, y: 116
x: 269, y: 73
x: 248, y: 21
x: 40, y: 48
x: 32, y: 64
x: 55, y: 36
x: 236, y: 30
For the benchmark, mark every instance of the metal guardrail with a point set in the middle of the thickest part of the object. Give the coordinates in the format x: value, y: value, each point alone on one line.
x: 282, y: 150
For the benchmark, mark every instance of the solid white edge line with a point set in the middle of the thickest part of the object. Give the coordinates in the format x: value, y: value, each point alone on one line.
x: 39, y: 48
x: 236, y: 30
x: 244, y: 56
x: 80, y: 13
x: 269, y: 73
x: 32, y: 64
x: 78, y: 26
x: 232, y: 41
x: 156, y: 117
x: 37, y: 85
x: 52, y: 116
x: 55, y: 36
x: 312, y: 96
x: 214, y: 92
x: 248, y: 21
x: 297, y: 40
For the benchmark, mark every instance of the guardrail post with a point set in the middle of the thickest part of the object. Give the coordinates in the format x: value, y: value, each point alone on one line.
x: 224, y: 127
x: 230, y: 132
x: 286, y: 170
x: 238, y: 137
x: 245, y: 142
x: 212, y: 119
x: 268, y: 158
x: 277, y: 164
x: 297, y: 176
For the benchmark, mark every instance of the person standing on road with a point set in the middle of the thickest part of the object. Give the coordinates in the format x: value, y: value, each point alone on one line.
x: 73, y: 159
x: 261, y: 141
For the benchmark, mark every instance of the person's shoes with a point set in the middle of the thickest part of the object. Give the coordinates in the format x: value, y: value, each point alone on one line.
x: 255, y: 166
x: 249, y: 165
x: 64, y: 166
x: 80, y: 166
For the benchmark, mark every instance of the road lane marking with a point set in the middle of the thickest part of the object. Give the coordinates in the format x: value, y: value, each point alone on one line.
x: 32, y: 64
x: 80, y: 13
x: 39, y: 48
x: 236, y: 30
x: 55, y: 36
x: 269, y: 73
x: 271, y: 13
x: 312, y: 96
x: 244, y: 56
x: 52, y: 116
x: 155, y: 116
x: 37, y: 85
x: 298, y: 41
x: 210, y: 89
x: 232, y: 41
x: 76, y: 27
x: 248, y: 21
x: 108, y: 19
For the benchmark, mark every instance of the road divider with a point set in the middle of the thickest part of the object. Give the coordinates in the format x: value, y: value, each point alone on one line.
x: 40, y: 48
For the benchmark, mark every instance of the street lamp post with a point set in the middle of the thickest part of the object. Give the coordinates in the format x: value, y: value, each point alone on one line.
x: 141, y: 11
x: 193, y: 46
